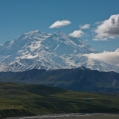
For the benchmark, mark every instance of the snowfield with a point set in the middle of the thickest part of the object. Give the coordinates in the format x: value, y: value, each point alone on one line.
x: 39, y: 50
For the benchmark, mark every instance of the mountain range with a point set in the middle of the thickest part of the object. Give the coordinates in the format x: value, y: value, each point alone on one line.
x: 39, y: 50
x: 79, y: 79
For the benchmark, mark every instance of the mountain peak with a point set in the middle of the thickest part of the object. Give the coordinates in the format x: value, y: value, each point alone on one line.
x: 59, y: 33
x: 35, y: 34
x: 32, y: 32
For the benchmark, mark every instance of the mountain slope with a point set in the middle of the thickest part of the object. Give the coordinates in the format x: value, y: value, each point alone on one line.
x: 80, y: 79
x: 39, y: 50
x: 42, y: 51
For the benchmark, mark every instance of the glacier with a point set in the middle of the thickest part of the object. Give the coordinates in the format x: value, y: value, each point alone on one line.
x: 40, y: 50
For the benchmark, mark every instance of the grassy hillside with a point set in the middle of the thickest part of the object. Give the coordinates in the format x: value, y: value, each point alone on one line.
x: 37, y: 99
x: 14, y: 113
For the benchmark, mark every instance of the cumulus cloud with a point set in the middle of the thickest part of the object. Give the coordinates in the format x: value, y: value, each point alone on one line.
x: 108, y: 57
x: 59, y: 24
x: 77, y: 34
x: 108, y: 28
x: 85, y: 26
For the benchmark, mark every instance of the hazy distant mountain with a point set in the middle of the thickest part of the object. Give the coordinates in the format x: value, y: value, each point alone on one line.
x: 37, y: 50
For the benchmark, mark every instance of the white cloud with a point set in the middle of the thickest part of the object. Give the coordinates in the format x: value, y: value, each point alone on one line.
x: 76, y: 34
x: 59, y: 24
x: 108, y: 57
x: 85, y: 26
x: 108, y: 28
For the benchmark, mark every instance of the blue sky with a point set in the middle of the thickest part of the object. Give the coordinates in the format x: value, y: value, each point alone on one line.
x: 20, y: 16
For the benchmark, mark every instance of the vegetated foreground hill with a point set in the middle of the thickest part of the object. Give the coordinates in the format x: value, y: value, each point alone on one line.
x: 24, y: 99
x: 80, y: 79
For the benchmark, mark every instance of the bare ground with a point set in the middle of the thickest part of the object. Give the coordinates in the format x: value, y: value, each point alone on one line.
x: 77, y: 116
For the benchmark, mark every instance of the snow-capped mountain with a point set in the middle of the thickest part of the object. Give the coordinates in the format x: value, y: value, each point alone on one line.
x: 37, y: 50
